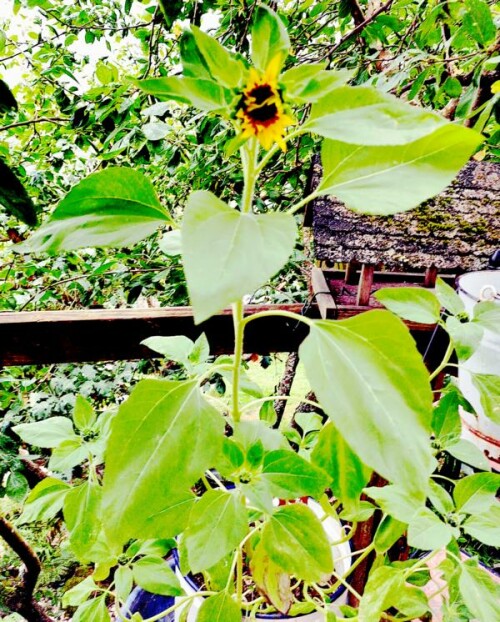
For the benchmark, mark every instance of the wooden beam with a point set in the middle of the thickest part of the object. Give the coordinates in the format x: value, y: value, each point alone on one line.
x: 32, y: 338
x: 322, y: 294
x: 28, y: 338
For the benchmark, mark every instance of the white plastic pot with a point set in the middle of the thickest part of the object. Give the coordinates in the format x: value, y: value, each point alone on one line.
x: 342, y: 558
x: 473, y: 288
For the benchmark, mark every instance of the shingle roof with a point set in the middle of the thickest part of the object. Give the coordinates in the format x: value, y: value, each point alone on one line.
x: 458, y: 229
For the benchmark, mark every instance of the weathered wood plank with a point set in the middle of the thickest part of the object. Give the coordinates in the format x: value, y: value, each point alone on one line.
x: 324, y: 299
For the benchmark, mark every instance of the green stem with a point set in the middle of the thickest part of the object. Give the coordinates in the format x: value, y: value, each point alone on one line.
x: 265, y: 160
x: 273, y: 398
x: 444, y: 363
x: 342, y: 580
x: 238, y: 355
x: 310, y: 197
x: 279, y: 312
x: 249, y: 154
x: 179, y: 603
x: 239, y: 575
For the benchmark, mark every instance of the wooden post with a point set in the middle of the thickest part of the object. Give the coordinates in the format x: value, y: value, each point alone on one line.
x: 351, y: 273
x: 365, y: 285
x: 430, y: 277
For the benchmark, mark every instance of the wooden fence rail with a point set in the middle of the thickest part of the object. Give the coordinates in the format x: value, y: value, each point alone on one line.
x: 45, y: 337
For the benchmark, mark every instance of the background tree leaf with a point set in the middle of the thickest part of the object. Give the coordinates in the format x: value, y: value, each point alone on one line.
x: 13, y: 196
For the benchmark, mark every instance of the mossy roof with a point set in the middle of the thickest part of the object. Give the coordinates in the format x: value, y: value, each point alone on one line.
x: 457, y: 230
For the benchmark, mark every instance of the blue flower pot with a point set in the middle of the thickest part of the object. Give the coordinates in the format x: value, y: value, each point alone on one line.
x: 148, y: 605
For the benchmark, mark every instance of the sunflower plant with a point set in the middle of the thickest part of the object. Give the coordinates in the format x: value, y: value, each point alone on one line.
x: 180, y: 462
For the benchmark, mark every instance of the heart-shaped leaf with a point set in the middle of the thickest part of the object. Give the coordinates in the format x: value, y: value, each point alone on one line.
x: 228, y: 253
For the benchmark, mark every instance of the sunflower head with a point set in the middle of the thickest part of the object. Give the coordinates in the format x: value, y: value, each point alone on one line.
x: 261, y: 109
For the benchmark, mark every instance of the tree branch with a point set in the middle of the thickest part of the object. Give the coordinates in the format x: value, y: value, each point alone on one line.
x: 23, y: 602
x: 33, y: 122
x: 356, y: 12
x: 359, y: 28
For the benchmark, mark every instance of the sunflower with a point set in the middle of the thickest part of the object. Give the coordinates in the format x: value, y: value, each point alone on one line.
x: 261, y: 108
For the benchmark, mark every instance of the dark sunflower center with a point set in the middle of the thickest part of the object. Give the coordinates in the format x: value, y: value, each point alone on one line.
x: 263, y: 114
x: 261, y: 93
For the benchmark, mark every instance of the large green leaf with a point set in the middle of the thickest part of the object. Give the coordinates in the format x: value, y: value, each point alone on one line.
x: 269, y: 38
x: 228, y: 253
x: 362, y: 115
x: 396, y: 501
x: 446, y: 423
x: 45, y: 500
x: 295, y: 540
x: 81, y: 515
x: 385, y: 180
x: 217, y: 524
x: 466, y: 337
x: 370, y: 379
x: 469, y: 453
x: 289, y: 476
x: 488, y: 386
x: 155, y: 575
x: 485, y: 527
x: 94, y: 610
x: 194, y: 64
x: 203, y: 94
x: 376, y: 596
x: 427, y: 531
x: 387, y: 534
x: 480, y: 592
x: 348, y: 474
x: 162, y: 439
x: 487, y: 315
x: 114, y: 207
x: 411, y: 303
x: 79, y: 593
x: 475, y: 493
x: 448, y: 297
x: 48, y: 433
x: 14, y: 197
x: 270, y: 580
x: 219, y: 608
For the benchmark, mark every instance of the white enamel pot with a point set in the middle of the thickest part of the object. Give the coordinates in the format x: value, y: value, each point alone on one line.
x: 342, y: 561
x: 474, y: 287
